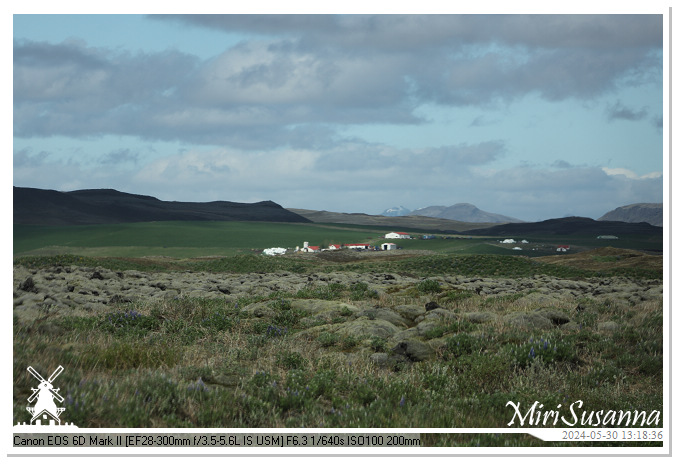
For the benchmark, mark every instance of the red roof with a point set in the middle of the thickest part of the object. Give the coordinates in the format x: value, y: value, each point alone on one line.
x: 312, y: 247
x: 357, y: 244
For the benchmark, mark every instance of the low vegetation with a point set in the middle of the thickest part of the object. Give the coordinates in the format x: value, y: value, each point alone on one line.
x: 196, y: 362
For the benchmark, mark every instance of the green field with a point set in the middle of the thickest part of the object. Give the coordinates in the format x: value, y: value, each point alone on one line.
x: 180, y: 239
x: 192, y: 239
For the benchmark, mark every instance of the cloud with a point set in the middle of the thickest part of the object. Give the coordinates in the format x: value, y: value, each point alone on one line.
x: 293, y: 80
x: 561, y: 164
x: 388, y: 32
x: 123, y: 155
x: 24, y: 158
x: 85, y: 91
x: 375, y: 159
x: 629, y: 174
x: 658, y: 122
x: 620, y: 111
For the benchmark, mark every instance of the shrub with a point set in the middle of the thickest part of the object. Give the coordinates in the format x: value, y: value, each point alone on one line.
x: 327, y: 339
x: 290, y: 360
x: 462, y: 344
x: 125, y: 355
x: 286, y: 315
x: 129, y: 322
x: 349, y: 342
x: 428, y: 286
x: 549, y: 351
x: 217, y: 321
x: 361, y: 291
x: 378, y: 344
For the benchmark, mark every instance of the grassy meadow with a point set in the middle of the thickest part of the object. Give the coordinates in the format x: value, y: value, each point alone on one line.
x: 178, y: 239
x: 193, y: 239
x: 196, y: 362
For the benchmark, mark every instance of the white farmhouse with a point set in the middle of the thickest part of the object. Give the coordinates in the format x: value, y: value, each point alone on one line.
x: 397, y: 235
x: 388, y: 246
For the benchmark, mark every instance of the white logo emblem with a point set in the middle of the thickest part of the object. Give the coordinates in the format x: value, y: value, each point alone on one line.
x: 45, y: 411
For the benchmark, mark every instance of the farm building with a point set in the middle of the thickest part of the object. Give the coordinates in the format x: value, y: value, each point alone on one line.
x: 334, y: 246
x: 388, y: 246
x: 397, y: 235
x: 563, y: 248
x: 357, y: 246
x: 508, y: 240
x: 310, y: 248
x: 274, y: 251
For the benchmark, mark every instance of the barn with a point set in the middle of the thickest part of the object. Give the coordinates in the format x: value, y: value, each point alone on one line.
x: 397, y: 235
x: 358, y: 246
x: 388, y: 246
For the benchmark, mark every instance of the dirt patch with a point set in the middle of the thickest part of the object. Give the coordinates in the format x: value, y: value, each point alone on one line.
x: 606, y: 258
x: 351, y: 256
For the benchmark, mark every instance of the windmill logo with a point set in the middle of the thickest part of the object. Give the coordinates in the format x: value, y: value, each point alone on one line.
x: 45, y: 411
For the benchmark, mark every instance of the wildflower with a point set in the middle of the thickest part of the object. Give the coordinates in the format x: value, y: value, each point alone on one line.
x: 403, y: 401
x: 531, y: 353
x: 544, y: 347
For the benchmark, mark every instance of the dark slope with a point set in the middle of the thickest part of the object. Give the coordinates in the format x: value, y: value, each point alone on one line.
x: 107, y: 206
x: 569, y: 226
x: 638, y: 212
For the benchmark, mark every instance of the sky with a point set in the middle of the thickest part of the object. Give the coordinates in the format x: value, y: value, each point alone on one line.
x: 533, y: 116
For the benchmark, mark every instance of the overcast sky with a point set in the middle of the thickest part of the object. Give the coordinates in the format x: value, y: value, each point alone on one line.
x: 534, y: 117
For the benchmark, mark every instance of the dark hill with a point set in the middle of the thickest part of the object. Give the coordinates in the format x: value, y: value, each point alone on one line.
x: 107, y: 206
x: 569, y: 226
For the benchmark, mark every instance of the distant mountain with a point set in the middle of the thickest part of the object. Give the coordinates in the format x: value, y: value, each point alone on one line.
x: 569, y: 226
x: 107, y: 206
x: 464, y: 212
x: 397, y: 222
x: 396, y: 211
x: 638, y: 212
